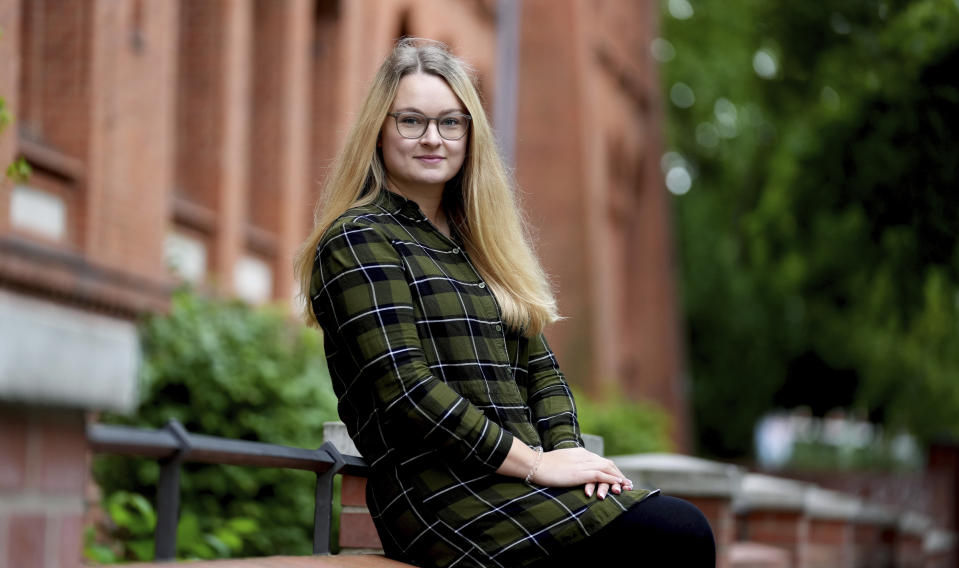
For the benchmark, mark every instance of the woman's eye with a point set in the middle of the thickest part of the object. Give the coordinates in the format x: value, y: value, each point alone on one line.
x: 452, y: 121
x: 411, y: 120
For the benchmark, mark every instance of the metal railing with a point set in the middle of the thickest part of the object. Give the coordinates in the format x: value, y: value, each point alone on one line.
x: 173, y: 445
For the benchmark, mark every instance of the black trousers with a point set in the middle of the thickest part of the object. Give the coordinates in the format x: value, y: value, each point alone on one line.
x: 658, y: 531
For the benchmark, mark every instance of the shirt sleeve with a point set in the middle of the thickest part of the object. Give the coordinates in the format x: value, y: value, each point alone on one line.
x: 550, y: 399
x: 364, y: 301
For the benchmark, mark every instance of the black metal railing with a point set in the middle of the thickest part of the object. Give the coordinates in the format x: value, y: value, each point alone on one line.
x: 173, y: 445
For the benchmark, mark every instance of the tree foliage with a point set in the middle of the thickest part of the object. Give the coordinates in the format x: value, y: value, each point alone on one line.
x: 224, y: 369
x: 818, y: 238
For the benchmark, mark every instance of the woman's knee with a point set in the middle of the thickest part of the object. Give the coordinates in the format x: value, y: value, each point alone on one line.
x: 675, y: 527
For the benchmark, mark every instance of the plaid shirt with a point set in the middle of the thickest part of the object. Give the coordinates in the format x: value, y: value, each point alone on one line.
x: 433, y: 387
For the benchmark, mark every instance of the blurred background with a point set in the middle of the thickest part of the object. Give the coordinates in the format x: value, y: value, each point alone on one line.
x: 748, y: 210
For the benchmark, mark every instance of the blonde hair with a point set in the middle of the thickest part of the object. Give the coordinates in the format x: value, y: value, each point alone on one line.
x: 485, y: 212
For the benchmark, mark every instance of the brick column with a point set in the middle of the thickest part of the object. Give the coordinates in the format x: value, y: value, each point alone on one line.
x: 43, y: 473
x: 708, y: 485
x: 910, y: 532
x: 872, y: 537
x: 130, y: 156
x: 234, y: 141
x: 357, y: 531
x: 771, y: 511
x: 832, y: 518
x: 294, y: 138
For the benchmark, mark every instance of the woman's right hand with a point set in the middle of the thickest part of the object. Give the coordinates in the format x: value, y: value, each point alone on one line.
x: 569, y: 467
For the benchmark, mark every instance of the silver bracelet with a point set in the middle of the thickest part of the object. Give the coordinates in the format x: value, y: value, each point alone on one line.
x: 539, y: 459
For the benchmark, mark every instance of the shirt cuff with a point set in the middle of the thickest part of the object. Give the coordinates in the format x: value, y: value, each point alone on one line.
x: 501, y: 450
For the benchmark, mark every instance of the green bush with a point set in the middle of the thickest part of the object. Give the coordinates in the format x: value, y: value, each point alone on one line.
x: 224, y: 369
x: 627, y: 426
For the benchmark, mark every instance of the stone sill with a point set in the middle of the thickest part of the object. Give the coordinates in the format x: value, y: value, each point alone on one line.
x: 70, y: 278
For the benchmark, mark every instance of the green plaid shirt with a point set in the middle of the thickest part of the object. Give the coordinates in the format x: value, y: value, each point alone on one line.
x: 433, y: 387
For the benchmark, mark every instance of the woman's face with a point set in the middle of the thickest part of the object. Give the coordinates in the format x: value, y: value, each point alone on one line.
x: 415, y: 165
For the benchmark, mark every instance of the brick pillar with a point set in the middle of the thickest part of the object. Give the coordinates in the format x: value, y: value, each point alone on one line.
x: 357, y: 531
x: 234, y: 143
x: 910, y: 532
x: 213, y: 128
x: 130, y: 156
x: 873, y: 537
x: 832, y: 518
x: 294, y: 141
x: 43, y: 473
x: 771, y: 511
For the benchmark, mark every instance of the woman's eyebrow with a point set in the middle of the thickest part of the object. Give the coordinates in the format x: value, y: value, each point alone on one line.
x: 441, y: 113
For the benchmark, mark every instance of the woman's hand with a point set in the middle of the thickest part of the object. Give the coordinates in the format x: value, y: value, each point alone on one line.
x: 577, y: 466
x: 567, y: 467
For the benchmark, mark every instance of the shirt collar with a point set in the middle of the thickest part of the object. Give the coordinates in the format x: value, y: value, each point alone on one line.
x: 400, y: 205
x: 396, y: 203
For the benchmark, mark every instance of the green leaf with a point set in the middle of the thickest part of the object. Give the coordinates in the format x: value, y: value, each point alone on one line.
x: 19, y: 171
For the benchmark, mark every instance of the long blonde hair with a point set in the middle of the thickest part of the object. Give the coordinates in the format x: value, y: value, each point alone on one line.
x: 485, y: 213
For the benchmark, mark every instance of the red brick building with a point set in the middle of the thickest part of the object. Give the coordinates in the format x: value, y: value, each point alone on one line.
x: 187, y: 139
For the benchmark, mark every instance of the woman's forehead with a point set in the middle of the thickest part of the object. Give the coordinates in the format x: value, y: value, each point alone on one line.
x: 426, y: 93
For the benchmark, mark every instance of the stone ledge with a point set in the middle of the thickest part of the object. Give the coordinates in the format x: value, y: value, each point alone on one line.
x: 915, y: 524
x: 833, y: 505
x: 682, y: 475
x: 594, y: 443
x: 746, y: 554
x: 938, y: 541
x: 336, y: 432
x: 765, y: 492
x: 41, y: 343
x: 870, y: 513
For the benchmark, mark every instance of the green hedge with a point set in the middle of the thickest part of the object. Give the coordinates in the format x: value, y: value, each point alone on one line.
x: 627, y: 426
x: 225, y: 369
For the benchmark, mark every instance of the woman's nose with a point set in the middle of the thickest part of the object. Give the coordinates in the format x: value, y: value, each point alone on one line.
x: 432, y: 134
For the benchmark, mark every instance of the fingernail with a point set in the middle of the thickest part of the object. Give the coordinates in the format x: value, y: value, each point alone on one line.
x: 589, y: 492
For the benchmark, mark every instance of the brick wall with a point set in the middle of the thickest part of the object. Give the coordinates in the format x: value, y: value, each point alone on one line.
x: 43, y: 473
x: 216, y: 121
x: 164, y: 130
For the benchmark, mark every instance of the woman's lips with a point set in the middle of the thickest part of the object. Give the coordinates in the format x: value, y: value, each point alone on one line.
x: 430, y: 159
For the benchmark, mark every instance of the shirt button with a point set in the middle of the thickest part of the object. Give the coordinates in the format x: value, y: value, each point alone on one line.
x: 482, y: 284
x: 456, y: 250
x: 499, y: 327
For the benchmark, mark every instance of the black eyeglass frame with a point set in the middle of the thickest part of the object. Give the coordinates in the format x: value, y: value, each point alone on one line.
x: 396, y: 121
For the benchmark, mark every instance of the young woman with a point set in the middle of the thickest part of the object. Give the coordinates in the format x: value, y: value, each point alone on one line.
x: 433, y: 304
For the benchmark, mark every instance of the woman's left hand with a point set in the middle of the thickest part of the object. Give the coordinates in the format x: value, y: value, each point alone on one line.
x: 605, y: 488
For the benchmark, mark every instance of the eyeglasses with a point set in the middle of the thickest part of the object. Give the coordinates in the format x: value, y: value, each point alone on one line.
x: 414, y: 124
